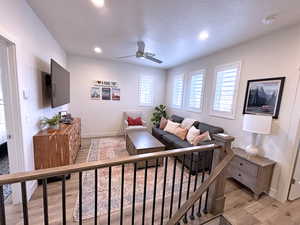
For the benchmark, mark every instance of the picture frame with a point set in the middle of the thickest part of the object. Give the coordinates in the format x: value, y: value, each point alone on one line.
x: 106, y: 93
x: 115, y: 94
x: 95, y: 93
x: 263, y: 96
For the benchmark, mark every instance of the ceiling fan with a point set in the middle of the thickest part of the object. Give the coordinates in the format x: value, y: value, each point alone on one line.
x: 142, y: 54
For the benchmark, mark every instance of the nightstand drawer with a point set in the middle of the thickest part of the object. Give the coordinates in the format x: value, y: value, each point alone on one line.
x: 245, y: 166
x: 243, y: 177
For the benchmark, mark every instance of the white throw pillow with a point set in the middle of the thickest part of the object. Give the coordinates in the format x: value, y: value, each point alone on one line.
x: 193, y: 132
x: 187, y: 123
x: 171, y: 127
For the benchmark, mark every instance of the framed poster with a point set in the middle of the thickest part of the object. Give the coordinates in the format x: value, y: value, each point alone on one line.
x: 95, y: 93
x: 106, y: 94
x: 263, y: 97
x: 115, y: 94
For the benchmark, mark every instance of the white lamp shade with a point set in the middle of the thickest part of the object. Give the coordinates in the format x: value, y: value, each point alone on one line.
x: 257, y: 124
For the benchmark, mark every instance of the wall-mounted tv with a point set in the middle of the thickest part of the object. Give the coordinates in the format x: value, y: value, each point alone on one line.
x: 60, y: 85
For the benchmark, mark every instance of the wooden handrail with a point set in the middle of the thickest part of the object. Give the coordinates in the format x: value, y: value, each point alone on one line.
x: 60, y: 171
x: 200, y: 191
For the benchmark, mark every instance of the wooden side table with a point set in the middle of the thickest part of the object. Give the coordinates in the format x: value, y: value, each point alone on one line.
x: 255, y: 172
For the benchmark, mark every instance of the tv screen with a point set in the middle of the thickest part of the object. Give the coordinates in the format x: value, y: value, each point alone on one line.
x: 60, y: 85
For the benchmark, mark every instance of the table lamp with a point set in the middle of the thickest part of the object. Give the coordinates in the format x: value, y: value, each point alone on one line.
x: 256, y: 124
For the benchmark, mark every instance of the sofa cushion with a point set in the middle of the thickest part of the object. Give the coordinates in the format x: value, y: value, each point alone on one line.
x: 182, y: 144
x: 171, y: 127
x: 203, y: 127
x: 176, y: 119
x: 173, y: 140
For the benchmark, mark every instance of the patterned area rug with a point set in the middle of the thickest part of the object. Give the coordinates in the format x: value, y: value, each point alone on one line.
x: 114, y: 148
x: 4, y: 169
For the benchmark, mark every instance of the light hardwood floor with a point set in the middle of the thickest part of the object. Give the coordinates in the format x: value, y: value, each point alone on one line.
x: 240, y: 209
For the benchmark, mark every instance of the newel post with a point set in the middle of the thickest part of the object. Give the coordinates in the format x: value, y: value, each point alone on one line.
x: 216, y: 194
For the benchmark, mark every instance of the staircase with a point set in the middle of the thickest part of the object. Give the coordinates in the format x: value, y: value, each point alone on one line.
x: 179, y: 197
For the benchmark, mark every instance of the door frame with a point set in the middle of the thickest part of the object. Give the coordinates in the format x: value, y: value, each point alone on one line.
x: 13, y: 117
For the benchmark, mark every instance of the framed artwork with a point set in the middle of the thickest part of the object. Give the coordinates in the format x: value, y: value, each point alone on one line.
x: 263, y: 97
x: 106, y: 94
x: 115, y: 94
x: 95, y: 93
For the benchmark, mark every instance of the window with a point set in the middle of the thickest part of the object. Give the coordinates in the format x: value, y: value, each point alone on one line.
x: 177, y: 91
x: 195, y: 91
x: 225, y: 90
x: 146, y: 90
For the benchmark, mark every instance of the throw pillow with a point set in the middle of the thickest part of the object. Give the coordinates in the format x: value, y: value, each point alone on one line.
x: 171, y: 127
x: 202, y: 137
x: 193, y: 132
x: 187, y: 123
x: 163, y: 123
x: 134, y: 122
x: 181, y: 132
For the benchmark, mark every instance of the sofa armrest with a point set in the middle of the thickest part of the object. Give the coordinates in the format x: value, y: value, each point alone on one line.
x: 144, y: 123
x: 125, y: 124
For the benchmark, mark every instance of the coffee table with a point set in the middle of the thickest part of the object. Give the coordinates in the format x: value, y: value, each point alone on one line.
x: 140, y: 142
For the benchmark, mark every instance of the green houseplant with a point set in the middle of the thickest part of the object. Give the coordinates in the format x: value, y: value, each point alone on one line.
x: 159, y: 112
x: 52, y: 123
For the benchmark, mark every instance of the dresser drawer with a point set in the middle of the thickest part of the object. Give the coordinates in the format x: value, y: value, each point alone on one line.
x: 243, y: 177
x: 245, y: 166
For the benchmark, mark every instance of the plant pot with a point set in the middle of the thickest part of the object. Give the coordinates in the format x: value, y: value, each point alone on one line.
x: 54, y: 127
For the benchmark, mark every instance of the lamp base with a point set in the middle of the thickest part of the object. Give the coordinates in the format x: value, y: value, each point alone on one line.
x: 252, y: 150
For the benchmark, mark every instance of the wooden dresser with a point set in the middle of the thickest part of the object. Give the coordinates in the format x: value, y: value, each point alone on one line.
x: 53, y: 148
x: 255, y: 172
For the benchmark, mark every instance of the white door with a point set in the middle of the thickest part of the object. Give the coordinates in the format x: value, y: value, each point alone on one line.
x: 295, y: 185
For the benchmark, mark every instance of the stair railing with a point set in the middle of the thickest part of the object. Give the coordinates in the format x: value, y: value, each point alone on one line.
x: 181, y: 188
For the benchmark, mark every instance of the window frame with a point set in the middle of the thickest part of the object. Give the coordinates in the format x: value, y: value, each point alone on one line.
x: 222, y: 114
x: 188, y: 89
x: 182, y: 76
x: 152, y: 91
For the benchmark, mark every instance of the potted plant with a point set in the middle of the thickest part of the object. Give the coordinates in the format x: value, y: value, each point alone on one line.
x: 159, y: 112
x: 52, y: 123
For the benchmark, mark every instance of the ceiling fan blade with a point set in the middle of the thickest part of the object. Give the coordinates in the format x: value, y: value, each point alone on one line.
x: 127, y: 56
x: 141, y: 46
x: 152, y: 59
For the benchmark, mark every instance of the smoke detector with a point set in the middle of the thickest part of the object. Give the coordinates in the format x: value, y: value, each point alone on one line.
x: 269, y: 19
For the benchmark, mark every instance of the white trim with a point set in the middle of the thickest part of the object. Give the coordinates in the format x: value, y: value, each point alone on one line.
x: 11, y: 96
x: 187, y: 94
x: 226, y: 115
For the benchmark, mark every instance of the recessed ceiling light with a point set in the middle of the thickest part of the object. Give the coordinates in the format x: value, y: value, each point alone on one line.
x: 98, y: 3
x: 204, y: 35
x: 97, y: 50
x: 269, y: 19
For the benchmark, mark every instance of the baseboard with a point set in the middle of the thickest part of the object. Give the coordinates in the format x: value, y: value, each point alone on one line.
x: 273, y: 192
x: 102, y: 134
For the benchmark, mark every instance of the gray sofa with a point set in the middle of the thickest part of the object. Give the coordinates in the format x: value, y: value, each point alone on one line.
x: 173, y: 142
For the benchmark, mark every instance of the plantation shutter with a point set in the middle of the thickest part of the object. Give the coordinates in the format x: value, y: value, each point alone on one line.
x: 177, y: 91
x: 196, y: 91
x: 146, y: 90
x: 226, y: 82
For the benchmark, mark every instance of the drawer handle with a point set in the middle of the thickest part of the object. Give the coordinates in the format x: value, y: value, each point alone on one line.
x: 241, y: 164
x: 239, y: 175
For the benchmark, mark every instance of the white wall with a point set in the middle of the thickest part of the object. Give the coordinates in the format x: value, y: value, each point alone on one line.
x: 35, y: 46
x: 277, y: 54
x: 102, y: 118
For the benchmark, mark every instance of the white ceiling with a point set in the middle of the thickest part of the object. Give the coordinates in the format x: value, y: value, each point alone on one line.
x: 168, y: 27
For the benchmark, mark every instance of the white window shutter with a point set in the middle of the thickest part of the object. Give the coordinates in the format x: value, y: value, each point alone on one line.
x: 177, y: 91
x: 146, y: 90
x: 226, y: 85
x: 196, y: 86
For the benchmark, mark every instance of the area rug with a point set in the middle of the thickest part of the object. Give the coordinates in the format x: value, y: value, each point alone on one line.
x: 114, y: 148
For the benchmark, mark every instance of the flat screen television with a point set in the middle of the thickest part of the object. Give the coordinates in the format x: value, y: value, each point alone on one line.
x: 60, y: 85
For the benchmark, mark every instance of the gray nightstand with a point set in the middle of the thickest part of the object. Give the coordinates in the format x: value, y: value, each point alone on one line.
x: 255, y: 172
